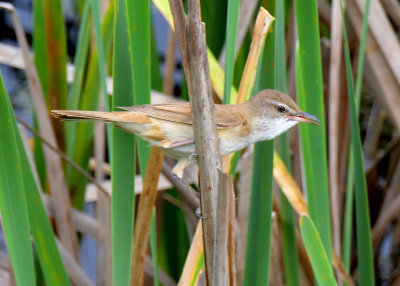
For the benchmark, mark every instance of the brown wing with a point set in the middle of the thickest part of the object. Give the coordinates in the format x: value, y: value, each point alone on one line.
x: 181, y: 113
x: 176, y: 112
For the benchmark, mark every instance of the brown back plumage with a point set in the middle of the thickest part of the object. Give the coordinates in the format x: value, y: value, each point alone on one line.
x: 181, y: 113
x: 227, y: 116
x: 175, y: 112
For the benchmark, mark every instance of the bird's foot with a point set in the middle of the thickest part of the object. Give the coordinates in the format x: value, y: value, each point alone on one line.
x: 193, y: 154
x: 198, y: 214
x: 180, y: 166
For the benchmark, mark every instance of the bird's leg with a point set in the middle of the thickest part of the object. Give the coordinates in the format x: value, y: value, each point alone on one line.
x: 180, y: 166
x: 193, y: 154
x: 198, y: 214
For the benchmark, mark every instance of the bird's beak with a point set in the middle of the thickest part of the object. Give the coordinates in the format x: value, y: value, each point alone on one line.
x: 305, y: 117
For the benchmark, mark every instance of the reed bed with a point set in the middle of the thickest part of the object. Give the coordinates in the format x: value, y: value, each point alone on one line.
x: 316, y: 206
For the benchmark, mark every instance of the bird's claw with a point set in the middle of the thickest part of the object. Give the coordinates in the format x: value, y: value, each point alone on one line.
x: 193, y: 154
x: 198, y: 214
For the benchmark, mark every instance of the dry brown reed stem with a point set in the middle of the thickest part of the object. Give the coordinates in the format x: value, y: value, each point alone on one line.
x: 205, y: 130
x: 289, y: 186
x: 195, y: 250
x: 393, y: 144
x: 378, y: 66
x: 324, y: 11
x: 189, y: 198
x: 5, y: 266
x: 339, y: 267
x: 82, y: 222
x: 334, y: 119
x: 144, y: 214
x: 220, y: 270
x: 242, y: 189
x: 231, y: 237
x: 382, y: 30
x: 390, y: 209
x: 191, y: 41
x: 392, y: 190
x: 376, y: 122
x: 54, y: 170
x: 343, y: 135
x: 185, y: 191
x: 74, y: 270
x: 276, y: 268
x: 392, y: 8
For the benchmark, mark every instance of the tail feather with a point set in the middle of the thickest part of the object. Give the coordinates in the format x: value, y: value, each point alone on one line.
x: 82, y: 114
x: 118, y: 116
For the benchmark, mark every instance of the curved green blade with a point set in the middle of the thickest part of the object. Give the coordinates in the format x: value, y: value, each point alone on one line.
x: 316, y: 252
x: 13, y: 205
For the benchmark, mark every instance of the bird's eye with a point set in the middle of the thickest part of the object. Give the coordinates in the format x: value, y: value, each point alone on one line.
x: 281, y: 109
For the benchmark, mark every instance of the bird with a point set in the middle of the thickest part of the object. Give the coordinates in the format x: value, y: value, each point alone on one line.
x: 264, y: 116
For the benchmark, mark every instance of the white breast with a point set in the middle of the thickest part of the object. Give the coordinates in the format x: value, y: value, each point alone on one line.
x: 266, y: 131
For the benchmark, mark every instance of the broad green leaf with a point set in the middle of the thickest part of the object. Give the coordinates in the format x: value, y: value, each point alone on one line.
x: 316, y: 252
x: 122, y: 154
x: 310, y: 99
x: 13, y: 205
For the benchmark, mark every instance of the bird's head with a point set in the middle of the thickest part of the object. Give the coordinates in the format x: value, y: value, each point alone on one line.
x: 275, y: 112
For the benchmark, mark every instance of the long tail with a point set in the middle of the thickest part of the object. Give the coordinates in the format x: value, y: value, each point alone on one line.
x: 117, y: 116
